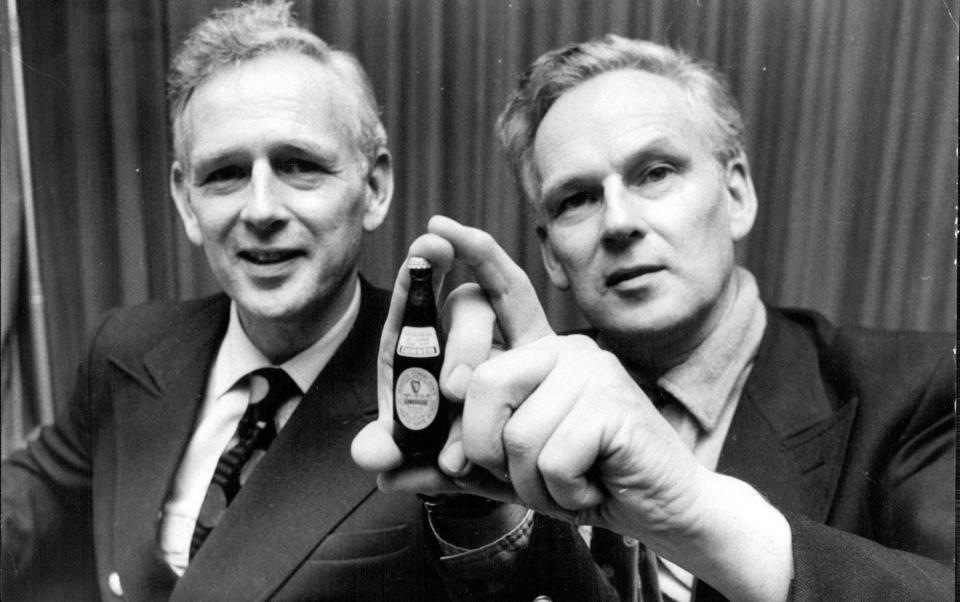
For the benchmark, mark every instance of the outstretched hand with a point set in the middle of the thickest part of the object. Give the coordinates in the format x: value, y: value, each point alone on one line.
x: 551, y: 422
x: 558, y: 425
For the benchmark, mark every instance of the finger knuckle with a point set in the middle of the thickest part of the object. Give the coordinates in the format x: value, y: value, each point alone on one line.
x: 516, y: 440
x: 483, y: 241
x: 482, y: 454
x: 484, y: 378
x: 607, y: 360
x: 552, y: 466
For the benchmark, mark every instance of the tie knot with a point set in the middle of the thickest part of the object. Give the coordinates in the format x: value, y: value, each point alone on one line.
x: 269, y: 388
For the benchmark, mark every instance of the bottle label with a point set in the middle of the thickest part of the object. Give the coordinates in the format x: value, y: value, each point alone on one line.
x: 417, y: 398
x: 418, y: 341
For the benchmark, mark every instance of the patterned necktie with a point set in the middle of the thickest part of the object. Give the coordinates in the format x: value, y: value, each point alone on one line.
x: 269, y: 388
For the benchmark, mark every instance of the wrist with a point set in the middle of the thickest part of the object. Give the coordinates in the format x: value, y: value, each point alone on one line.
x: 740, y: 544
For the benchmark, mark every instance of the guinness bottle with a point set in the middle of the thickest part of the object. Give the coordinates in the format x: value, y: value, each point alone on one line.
x: 419, y: 409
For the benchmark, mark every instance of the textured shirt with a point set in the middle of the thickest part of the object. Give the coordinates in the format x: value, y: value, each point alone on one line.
x: 224, y: 403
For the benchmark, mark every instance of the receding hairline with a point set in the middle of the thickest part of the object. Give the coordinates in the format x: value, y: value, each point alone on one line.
x: 341, y: 96
x: 247, y: 31
x: 350, y: 92
x: 562, y: 69
x: 700, y: 111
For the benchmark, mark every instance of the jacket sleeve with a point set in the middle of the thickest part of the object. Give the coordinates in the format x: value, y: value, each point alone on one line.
x: 910, y: 552
x: 830, y: 564
x: 46, y: 499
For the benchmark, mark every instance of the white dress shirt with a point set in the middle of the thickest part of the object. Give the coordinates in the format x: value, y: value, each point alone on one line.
x: 224, y: 403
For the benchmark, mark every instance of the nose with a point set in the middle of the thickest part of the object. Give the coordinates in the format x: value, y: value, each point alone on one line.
x: 264, y: 211
x: 622, y: 222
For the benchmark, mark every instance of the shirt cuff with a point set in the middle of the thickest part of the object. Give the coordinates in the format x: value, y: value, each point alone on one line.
x: 487, y: 569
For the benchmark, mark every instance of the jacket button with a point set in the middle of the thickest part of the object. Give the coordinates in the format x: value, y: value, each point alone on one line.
x: 114, y: 582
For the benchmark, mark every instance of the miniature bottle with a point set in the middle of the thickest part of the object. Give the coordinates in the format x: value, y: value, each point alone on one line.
x: 419, y: 408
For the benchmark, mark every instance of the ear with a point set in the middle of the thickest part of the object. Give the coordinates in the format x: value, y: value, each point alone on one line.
x: 379, y: 192
x: 555, y: 269
x: 741, y: 198
x: 181, y: 198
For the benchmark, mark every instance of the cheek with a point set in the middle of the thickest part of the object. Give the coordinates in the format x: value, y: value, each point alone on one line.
x: 574, y: 247
x: 331, y: 209
x: 705, y: 226
x: 215, y: 213
x: 214, y: 224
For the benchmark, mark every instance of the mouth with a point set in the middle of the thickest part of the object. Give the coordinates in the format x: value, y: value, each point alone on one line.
x: 620, y: 276
x: 268, y: 256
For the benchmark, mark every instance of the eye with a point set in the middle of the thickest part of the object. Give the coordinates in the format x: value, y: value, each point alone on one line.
x: 296, y: 166
x: 225, y: 175
x: 577, y: 201
x: 657, y: 173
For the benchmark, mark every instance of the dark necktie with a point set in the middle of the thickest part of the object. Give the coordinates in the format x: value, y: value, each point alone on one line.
x: 658, y: 396
x: 269, y: 388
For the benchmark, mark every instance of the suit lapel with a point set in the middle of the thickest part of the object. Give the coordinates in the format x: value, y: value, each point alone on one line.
x: 790, y: 430
x: 303, y: 488
x: 156, y: 402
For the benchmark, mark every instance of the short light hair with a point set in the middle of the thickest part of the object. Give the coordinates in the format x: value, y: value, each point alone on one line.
x: 559, y: 70
x: 242, y: 33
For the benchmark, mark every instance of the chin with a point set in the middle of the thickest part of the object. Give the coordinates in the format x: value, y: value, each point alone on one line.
x: 268, y: 306
x: 645, y: 324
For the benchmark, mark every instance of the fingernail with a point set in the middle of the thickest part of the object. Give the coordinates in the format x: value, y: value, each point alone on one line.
x: 453, y: 461
x: 458, y: 380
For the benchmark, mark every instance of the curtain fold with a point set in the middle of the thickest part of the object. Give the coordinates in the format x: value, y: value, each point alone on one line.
x: 852, y: 127
x: 16, y: 415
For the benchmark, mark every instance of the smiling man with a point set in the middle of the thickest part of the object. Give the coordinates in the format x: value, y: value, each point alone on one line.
x: 756, y: 453
x: 205, y: 454
x: 273, y: 181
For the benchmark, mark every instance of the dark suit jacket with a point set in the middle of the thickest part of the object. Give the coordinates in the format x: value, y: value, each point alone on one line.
x: 308, y: 524
x: 850, y: 429
x: 850, y: 432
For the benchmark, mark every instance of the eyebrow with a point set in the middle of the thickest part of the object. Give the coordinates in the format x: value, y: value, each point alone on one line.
x: 658, y: 147
x: 214, y: 160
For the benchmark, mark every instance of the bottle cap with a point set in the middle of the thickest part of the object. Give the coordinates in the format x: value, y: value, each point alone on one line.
x: 417, y: 263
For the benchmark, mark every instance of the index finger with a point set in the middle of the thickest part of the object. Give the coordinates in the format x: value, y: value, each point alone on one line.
x: 507, y: 286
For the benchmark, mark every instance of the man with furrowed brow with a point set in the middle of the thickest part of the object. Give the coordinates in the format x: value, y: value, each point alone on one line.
x: 755, y: 453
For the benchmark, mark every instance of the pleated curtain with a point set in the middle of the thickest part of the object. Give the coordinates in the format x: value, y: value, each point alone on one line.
x: 851, y: 109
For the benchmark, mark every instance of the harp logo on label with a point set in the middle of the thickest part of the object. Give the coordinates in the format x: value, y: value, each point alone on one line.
x: 417, y: 398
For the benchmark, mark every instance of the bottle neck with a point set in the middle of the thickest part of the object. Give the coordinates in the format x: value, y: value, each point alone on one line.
x: 421, y: 289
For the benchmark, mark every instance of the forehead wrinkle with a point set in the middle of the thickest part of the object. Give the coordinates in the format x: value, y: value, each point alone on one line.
x: 659, y: 123
x: 228, y: 94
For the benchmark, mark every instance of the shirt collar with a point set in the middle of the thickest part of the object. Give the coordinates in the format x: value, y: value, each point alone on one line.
x: 711, y: 377
x: 238, y: 356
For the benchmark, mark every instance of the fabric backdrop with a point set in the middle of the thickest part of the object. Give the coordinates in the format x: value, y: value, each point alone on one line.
x: 852, y: 131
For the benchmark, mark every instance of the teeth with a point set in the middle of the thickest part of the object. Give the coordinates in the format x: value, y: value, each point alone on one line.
x: 267, y: 256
